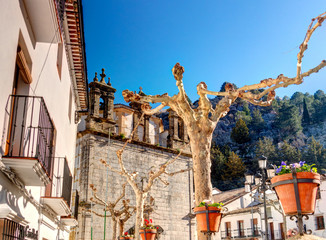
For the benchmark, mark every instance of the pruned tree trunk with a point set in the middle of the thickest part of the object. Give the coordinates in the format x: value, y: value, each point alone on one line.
x: 140, y: 202
x: 200, y: 149
x: 114, y: 228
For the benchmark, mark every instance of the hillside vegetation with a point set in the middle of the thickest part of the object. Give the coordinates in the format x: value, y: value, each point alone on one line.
x: 292, y: 130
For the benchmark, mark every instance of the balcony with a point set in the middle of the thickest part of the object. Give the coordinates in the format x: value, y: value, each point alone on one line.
x: 71, y: 220
x: 241, y: 233
x: 58, y: 193
x: 30, y: 139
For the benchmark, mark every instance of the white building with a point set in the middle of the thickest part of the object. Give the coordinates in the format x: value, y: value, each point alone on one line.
x: 43, y: 86
x: 245, y: 216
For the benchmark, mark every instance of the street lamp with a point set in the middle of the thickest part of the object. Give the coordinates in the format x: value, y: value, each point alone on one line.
x: 261, y: 180
x: 250, y: 180
x: 267, y: 173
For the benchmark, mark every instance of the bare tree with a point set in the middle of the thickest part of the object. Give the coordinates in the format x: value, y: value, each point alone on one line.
x: 201, y: 121
x: 142, y: 191
x: 120, y: 216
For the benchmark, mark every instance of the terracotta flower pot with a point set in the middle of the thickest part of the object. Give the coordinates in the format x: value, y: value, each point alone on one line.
x: 150, y: 234
x: 214, y: 216
x: 307, y: 192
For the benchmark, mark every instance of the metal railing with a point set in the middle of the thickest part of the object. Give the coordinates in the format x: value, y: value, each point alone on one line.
x: 12, y: 230
x: 30, y: 130
x: 61, y: 180
x: 241, y: 233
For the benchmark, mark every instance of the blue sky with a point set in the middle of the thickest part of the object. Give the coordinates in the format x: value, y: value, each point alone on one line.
x: 139, y: 41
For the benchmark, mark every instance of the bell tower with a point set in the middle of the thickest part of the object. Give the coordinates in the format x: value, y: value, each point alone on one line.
x: 100, y: 117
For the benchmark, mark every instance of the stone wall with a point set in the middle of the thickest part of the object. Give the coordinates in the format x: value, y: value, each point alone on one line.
x: 173, y: 203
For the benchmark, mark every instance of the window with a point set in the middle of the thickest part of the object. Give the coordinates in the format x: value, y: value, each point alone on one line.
x: 269, y: 213
x: 240, y: 228
x: 23, y: 67
x: 228, y: 229
x: 320, y: 224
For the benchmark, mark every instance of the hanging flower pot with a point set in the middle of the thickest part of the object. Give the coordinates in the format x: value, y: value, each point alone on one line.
x: 148, y: 230
x: 212, y: 214
x: 307, y: 182
x: 148, y: 234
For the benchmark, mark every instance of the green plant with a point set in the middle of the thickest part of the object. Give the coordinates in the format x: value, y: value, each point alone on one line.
x: 210, y: 204
x: 302, y: 166
x: 122, y: 135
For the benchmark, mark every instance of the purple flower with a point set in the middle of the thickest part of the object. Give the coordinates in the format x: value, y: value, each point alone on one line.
x: 279, y: 169
x: 301, y: 163
x: 283, y: 164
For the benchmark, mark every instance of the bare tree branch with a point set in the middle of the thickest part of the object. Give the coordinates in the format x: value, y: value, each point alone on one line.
x: 177, y: 172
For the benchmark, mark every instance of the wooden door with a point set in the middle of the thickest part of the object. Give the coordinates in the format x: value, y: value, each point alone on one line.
x: 271, y: 227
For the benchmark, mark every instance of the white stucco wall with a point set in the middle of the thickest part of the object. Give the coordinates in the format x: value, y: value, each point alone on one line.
x: 42, y: 58
x: 276, y: 217
x: 46, y: 81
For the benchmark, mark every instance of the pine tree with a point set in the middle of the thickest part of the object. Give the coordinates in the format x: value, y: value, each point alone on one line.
x: 257, y: 122
x: 306, y: 120
x: 240, y: 133
x: 234, y: 168
x: 289, y: 153
x: 244, y: 114
x: 218, y: 164
x: 288, y: 120
x: 315, y: 153
x: 266, y: 147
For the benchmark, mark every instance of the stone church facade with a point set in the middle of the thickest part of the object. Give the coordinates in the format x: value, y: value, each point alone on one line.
x: 104, y: 131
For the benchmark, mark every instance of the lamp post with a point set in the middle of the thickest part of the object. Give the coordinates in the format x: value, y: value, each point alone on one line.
x: 262, y: 162
x: 262, y: 182
x: 250, y: 180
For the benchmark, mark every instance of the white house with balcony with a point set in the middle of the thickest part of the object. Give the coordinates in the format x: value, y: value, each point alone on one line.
x: 245, y: 218
x: 43, y: 89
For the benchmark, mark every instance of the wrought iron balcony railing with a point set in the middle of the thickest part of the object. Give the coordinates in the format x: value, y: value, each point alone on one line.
x: 30, y: 132
x: 241, y: 233
x: 58, y: 192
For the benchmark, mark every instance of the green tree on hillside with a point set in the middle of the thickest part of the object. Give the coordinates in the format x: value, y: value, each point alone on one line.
x: 315, y: 153
x: 288, y: 120
x: 257, y: 122
x: 266, y: 147
x: 306, y: 120
x: 240, y: 133
x: 234, y: 170
x: 244, y: 114
x: 218, y: 164
x: 289, y: 153
x: 318, y: 106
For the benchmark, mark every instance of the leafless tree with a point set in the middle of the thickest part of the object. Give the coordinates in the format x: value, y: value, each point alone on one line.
x: 142, y: 191
x: 120, y: 216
